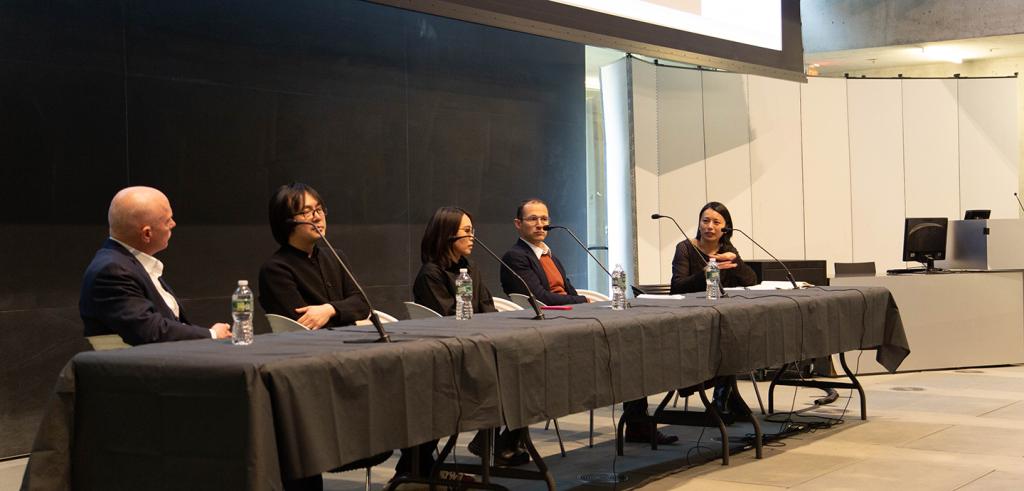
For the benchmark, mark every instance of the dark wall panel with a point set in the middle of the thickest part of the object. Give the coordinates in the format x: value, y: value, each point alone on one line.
x: 388, y: 113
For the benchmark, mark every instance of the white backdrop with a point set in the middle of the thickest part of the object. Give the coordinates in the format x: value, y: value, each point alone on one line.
x: 823, y: 170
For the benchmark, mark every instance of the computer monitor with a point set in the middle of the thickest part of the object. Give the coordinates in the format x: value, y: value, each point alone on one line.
x: 924, y: 240
x: 977, y: 214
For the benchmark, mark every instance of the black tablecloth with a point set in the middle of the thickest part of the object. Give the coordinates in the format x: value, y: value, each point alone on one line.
x: 202, y: 414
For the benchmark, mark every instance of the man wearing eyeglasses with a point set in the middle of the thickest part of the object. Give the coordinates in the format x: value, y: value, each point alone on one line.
x: 531, y: 258
x: 123, y: 290
x: 302, y: 280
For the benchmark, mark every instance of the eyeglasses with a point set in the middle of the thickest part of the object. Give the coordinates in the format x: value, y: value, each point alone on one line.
x: 467, y: 231
x: 535, y: 219
x: 308, y: 214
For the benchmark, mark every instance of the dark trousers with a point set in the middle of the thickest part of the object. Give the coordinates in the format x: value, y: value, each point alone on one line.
x: 426, y: 453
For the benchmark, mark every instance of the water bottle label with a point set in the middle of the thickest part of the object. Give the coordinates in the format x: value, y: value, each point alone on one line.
x: 241, y: 305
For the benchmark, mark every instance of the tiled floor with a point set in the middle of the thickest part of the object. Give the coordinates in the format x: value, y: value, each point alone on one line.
x: 963, y: 430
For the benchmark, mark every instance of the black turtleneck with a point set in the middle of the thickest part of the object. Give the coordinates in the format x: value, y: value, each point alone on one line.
x: 435, y: 288
x: 291, y: 279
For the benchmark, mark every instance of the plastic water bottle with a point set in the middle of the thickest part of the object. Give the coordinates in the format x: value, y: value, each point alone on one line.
x: 463, y: 296
x: 618, y: 288
x: 241, y: 313
x: 713, y: 275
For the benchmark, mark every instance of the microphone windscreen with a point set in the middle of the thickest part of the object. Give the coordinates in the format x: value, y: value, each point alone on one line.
x: 547, y: 228
x: 655, y: 216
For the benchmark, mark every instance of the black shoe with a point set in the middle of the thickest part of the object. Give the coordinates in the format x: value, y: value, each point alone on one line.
x: 511, y: 458
x: 641, y: 433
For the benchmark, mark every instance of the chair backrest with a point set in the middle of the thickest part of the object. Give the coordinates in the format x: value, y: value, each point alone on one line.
x: 417, y: 311
x: 653, y: 289
x: 593, y: 296
x: 505, y: 305
x: 383, y: 316
x: 524, y: 301
x: 280, y: 323
x: 106, y: 342
x: 855, y: 269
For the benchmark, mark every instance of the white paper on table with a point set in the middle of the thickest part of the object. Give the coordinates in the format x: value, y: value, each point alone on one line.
x: 772, y: 285
x: 651, y: 296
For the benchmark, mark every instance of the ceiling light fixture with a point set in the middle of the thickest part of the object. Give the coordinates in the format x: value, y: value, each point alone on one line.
x: 943, y: 53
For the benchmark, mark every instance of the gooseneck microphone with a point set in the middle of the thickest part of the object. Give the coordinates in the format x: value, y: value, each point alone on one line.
x: 657, y: 216
x: 1018, y: 201
x: 548, y: 228
x: 384, y: 338
x: 789, y: 275
x: 533, y: 300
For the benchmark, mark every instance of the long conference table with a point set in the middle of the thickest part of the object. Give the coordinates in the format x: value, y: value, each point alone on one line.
x: 210, y: 415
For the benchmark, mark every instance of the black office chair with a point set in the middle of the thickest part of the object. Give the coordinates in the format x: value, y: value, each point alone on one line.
x: 855, y: 269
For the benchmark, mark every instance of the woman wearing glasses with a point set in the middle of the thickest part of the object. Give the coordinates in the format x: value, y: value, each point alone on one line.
x: 445, y: 248
x: 302, y: 280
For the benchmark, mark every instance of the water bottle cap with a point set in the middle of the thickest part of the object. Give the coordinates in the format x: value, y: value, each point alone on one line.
x: 463, y: 270
x: 712, y: 260
x: 243, y: 282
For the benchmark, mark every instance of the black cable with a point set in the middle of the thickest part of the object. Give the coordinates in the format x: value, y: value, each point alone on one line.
x: 611, y: 384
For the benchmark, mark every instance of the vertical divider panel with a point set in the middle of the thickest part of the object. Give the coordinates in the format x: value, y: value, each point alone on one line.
x: 775, y: 168
x: 727, y: 149
x: 645, y: 170
x: 826, y: 169
x: 682, y: 189
x: 930, y: 148
x: 876, y: 171
x: 989, y: 146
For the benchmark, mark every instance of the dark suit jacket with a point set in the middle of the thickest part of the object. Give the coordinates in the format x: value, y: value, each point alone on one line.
x: 118, y: 297
x: 524, y: 262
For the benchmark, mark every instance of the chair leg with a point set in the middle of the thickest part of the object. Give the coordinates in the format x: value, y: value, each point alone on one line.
x: 757, y: 392
x: 547, y: 424
x: 559, y: 435
x: 675, y: 400
x: 591, y: 428
x: 367, y: 479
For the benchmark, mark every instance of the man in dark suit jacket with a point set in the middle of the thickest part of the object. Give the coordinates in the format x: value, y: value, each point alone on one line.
x: 531, y: 258
x: 122, y: 289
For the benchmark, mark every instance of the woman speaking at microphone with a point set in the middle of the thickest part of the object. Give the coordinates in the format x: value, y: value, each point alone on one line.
x: 692, y: 255
x: 302, y: 280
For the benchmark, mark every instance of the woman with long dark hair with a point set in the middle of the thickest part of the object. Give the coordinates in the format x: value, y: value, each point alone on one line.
x: 445, y: 249
x: 711, y: 242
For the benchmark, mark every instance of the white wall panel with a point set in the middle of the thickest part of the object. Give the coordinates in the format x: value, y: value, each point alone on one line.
x: 618, y: 159
x: 826, y: 170
x: 930, y: 148
x: 645, y: 170
x: 989, y: 156
x: 775, y: 168
x: 682, y: 185
x: 727, y: 149
x: 876, y: 171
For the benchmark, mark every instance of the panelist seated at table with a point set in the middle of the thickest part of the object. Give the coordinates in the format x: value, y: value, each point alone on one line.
x: 123, y: 290
x: 691, y: 255
x: 532, y: 259
x: 302, y: 280
x: 445, y: 249
x: 688, y: 270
